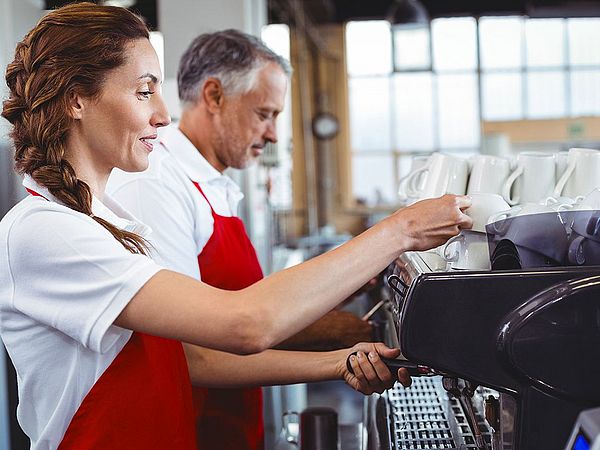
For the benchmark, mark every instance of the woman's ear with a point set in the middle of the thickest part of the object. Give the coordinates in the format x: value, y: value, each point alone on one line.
x: 212, y: 94
x: 76, y: 105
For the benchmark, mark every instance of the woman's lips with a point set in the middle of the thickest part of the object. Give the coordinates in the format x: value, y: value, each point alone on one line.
x: 148, y: 142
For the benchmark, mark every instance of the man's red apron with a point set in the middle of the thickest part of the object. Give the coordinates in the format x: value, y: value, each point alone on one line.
x: 229, y: 419
x: 143, y: 400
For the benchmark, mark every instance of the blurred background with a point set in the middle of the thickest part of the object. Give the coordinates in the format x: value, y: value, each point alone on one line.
x: 375, y: 83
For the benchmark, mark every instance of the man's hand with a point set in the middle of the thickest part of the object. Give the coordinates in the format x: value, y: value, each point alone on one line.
x: 430, y: 223
x: 370, y: 373
x: 335, y: 330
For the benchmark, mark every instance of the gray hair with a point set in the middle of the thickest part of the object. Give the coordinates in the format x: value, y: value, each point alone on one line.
x: 231, y: 56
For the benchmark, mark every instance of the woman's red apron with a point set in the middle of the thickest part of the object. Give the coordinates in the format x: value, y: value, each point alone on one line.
x: 229, y: 419
x: 143, y: 400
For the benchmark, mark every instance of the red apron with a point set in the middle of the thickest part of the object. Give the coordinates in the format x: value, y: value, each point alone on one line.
x: 229, y: 419
x: 142, y: 401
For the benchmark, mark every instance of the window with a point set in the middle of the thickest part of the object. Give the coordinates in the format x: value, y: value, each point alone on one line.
x: 278, y: 156
x: 416, y: 91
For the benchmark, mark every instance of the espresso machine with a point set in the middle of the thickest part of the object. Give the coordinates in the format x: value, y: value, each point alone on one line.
x: 511, y: 355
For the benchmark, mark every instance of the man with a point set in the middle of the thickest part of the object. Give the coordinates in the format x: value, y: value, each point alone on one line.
x: 232, y: 88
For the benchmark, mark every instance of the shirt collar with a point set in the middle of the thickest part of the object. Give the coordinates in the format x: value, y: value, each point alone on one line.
x: 194, y: 165
x: 109, y: 210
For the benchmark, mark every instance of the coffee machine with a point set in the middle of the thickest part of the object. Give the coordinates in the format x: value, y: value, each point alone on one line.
x: 519, y: 351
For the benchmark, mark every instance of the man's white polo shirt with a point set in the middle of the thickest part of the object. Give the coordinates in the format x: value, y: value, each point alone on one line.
x: 164, y: 197
x: 64, y: 279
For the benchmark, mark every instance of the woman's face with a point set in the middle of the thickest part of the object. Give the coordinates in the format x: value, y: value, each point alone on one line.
x: 116, y: 129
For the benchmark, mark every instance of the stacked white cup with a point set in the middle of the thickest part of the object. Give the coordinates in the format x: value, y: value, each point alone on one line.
x: 469, y: 250
x: 536, y: 183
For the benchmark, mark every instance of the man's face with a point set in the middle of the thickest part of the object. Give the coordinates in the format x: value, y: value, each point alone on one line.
x: 248, y: 120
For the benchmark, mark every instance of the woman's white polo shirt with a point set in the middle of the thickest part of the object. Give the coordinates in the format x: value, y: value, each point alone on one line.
x: 64, y: 279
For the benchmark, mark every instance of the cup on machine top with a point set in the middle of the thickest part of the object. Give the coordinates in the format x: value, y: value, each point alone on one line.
x: 444, y: 174
x: 488, y: 174
x: 532, y: 180
x: 582, y: 174
x: 467, y: 251
x: 416, y: 163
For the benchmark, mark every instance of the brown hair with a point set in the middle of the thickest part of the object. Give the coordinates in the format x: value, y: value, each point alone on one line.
x: 71, y: 49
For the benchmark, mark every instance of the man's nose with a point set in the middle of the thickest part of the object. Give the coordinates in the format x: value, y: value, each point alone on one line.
x: 271, y: 132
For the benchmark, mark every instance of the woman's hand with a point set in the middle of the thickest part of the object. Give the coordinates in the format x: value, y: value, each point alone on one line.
x: 430, y: 223
x: 370, y: 373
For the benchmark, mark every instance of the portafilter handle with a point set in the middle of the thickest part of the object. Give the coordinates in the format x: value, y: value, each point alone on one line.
x: 414, y: 370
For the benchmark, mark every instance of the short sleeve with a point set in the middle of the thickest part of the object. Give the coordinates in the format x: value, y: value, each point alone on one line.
x: 71, y: 274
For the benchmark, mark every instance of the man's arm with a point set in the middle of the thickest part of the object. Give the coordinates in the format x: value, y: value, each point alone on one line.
x: 335, y: 330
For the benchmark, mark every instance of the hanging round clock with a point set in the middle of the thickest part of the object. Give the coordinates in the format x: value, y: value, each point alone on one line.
x: 325, y: 125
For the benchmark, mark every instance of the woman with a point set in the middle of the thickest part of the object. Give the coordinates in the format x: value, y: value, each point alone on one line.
x: 91, y: 324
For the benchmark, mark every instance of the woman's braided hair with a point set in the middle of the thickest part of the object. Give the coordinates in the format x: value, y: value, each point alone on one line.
x: 69, y: 51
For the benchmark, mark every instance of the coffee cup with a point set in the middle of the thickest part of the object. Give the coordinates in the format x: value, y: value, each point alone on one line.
x: 416, y: 163
x: 483, y: 206
x: 488, y: 174
x: 445, y: 174
x: 582, y: 174
x: 562, y: 161
x: 560, y: 203
x: 532, y: 180
x: 467, y: 251
x: 589, y: 201
x: 520, y: 210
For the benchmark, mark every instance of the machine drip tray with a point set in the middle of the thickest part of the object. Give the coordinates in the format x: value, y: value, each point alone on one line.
x: 425, y: 417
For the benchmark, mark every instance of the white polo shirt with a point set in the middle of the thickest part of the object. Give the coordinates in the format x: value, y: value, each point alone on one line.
x: 64, y: 279
x: 164, y: 197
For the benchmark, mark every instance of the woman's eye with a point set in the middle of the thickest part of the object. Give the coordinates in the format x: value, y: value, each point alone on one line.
x: 145, y: 94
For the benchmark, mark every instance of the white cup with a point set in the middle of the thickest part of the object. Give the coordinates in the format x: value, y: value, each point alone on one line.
x: 445, y: 174
x: 582, y: 174
x: 467, y: 251
x: 562, y: 161
x: 483, y: 206
x: 533, y: 178
x: 589, y: 201
x: 416, y: 163
x: 488, y: 174
x: 523, y: 209
x: 560, y: 203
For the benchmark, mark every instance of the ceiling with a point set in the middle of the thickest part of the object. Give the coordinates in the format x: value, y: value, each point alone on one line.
x: 339, y: 11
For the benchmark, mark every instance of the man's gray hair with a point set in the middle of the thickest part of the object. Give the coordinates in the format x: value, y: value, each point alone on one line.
x: 231, y: 56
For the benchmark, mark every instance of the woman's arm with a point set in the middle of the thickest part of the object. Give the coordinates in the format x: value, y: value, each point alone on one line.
x: 216, y: 369
x: 258, y: 317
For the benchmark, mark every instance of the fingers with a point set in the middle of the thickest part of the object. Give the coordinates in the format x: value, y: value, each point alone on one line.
x: 464, y: 221
x: 385, y: 351
x: 463, y: 202
x: 357, y: 380
x: 381, y: 371
x: 370, y: 372
x: 404, y: 378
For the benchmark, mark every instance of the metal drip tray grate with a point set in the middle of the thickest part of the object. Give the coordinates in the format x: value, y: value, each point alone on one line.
x: 424, y: 417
